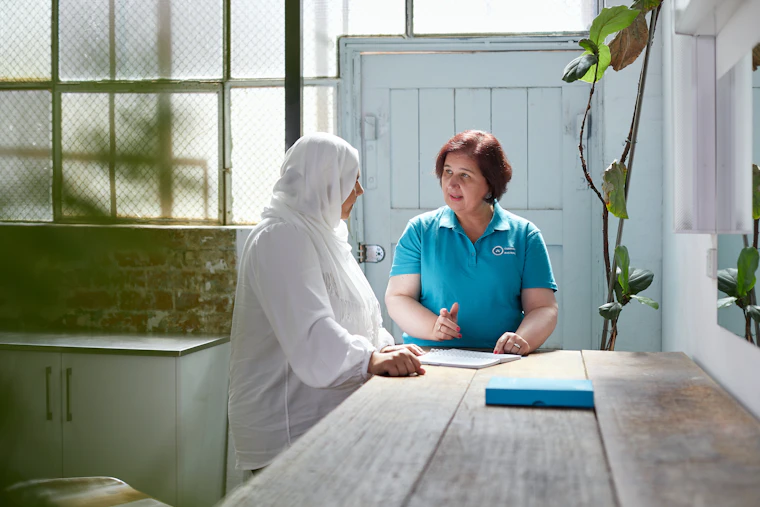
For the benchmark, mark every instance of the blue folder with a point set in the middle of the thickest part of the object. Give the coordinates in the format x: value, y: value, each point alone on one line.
x: 541, y: 392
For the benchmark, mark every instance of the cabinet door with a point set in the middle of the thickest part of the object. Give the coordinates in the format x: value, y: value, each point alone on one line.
x: 120, y: 420
x: 30, y: 416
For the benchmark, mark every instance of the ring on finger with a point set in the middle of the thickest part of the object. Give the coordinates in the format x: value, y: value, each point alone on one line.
x: 516, y: 345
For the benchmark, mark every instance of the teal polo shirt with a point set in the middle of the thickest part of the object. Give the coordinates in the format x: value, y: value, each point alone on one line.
x: 485, y: 278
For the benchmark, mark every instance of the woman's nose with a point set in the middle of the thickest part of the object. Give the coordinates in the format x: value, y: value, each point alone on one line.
x: 359, y: 189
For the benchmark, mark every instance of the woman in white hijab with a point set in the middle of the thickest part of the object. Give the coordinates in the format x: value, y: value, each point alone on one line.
x: 306, y: 328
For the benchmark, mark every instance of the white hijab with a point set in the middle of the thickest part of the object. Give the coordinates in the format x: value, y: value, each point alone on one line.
x: 317, y: 176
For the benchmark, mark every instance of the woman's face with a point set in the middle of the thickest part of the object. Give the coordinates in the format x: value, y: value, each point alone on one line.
x: 348, y: 204
x: 464, y: 186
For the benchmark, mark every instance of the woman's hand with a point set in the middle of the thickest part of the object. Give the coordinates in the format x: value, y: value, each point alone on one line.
x: 416, y: 350
x: 446, y: 327
x: 396, y: 363
x: 511, y: 343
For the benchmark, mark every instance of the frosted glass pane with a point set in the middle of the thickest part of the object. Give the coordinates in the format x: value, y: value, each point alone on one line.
x: 192, y: 31
x: 502, y: 16
x: 258, y: 148
x: 319, y: 109
x: 166, y: 162
x: 25, y: 156
x: 85, y: 155
x: 83, y: 40
x: 258, y: 38
x: 167, y: 156
x: 25, y: 40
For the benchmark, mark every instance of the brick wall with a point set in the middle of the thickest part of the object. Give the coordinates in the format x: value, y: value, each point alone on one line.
x: 117, y: 279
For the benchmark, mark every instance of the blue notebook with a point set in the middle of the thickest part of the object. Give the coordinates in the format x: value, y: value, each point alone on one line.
x: 540, y: 392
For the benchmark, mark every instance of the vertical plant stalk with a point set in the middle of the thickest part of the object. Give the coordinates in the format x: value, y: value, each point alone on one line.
x: 590, y: 181
x: 630, y: 147
x: 751, y: 295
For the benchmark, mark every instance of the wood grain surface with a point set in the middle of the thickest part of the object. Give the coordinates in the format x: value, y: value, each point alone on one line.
x: 523, y: 456
x: 672, y: 435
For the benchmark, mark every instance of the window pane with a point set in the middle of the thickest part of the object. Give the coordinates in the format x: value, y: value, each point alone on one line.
x: 193, y: 33
x: 85, y: 155
x: 25, y: 156
x: 258, y: 141
x: 167, y: 156
x: 319, y: 109
x: 258, y: 148
x: 166, y: 161
x: 25, y: 40
x: 502, y: 16
x: 325, y: 20
x: 258, y: 38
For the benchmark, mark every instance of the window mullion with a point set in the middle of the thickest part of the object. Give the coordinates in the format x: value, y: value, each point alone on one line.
x: 56, y: 116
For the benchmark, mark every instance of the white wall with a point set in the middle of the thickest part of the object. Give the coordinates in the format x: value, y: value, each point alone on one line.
x: 640, y: 327
x: 689, y: 318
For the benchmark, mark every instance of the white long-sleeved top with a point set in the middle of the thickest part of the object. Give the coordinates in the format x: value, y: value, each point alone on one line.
x: 291, y: 362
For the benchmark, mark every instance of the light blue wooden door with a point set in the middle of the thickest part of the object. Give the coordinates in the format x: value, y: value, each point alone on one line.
x: 411, y: 104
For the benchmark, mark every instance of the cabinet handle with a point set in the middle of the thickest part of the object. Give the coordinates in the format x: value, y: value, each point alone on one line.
x: 68, y: 394
x: 48, y: 373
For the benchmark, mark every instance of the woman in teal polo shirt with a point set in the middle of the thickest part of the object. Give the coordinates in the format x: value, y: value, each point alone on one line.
x: 472, y: 272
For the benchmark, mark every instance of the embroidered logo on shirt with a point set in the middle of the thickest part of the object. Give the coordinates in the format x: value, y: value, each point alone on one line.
x: 500, y: 250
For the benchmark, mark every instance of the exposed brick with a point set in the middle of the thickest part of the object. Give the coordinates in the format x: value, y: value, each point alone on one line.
x: 163, y: 300
x: 132, y: 278
x: 124, y: 321
x: 219, y: 282
x: 91, y: 300
x: 187, y: 300
x: 134, y: 300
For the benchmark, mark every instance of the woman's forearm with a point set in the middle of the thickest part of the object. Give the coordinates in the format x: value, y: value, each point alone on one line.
x: 537, y: 325
x: 413, y: 318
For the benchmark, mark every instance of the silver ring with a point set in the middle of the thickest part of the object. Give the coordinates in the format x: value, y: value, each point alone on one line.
x: 439, y: 328
x: 515, y: 345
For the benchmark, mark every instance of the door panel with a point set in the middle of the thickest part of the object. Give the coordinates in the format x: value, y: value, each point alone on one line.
x: 123, y: 420
x: 30, y: 416
x: 420, y: 100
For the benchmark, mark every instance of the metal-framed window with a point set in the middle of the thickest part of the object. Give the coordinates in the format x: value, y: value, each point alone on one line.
x: 168, y: 111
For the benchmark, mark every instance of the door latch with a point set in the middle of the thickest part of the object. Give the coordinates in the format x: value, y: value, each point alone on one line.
x: 371, y: 253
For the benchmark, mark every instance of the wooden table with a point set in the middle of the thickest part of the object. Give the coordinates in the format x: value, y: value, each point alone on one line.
x: 662, y: 433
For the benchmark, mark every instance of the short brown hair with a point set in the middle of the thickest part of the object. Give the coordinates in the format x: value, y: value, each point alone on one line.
x: 486, y: 151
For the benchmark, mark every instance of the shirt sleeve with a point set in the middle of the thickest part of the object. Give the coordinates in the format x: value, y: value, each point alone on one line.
x: 286, y: 274
x: 537, y: 272
x: 385, y: 339
x: 408, y: 254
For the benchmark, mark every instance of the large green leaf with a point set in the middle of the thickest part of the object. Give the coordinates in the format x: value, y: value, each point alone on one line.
x: 589, y: 46
x: 645, y: 5
x: 578, y: 68
x: 624, y: 262
x: 755, y: 190
x: 754, y: 312
x: 647, y: 301
x: 727, y: 281
x: 613, y: 186
x: 610, y: 311
x: 604, y: 61
x: 726, y: 302
x: 639, y: 280
x: 747, y: 265
x: 609, y: 21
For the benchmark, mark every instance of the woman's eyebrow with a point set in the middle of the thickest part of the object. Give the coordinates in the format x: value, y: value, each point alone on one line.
x: 462, y: 168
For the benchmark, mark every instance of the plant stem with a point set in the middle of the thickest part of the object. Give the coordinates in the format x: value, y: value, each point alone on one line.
x: 747, y: 328
x: 751, y: 294
x: 631, y: 141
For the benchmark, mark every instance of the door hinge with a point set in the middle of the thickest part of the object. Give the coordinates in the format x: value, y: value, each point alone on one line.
x: 371, y: 253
